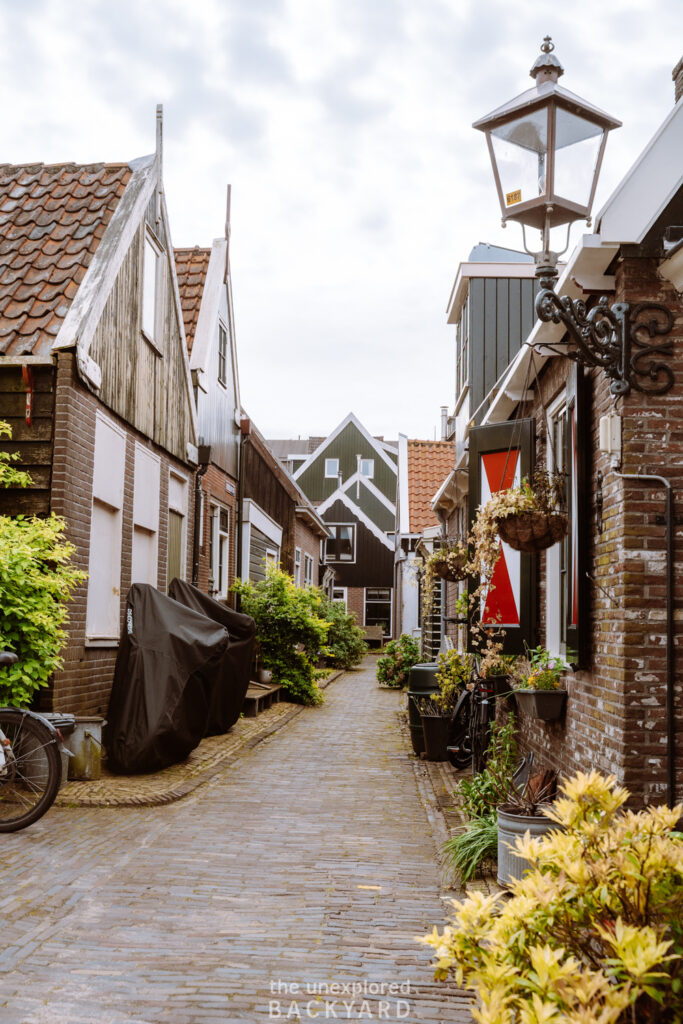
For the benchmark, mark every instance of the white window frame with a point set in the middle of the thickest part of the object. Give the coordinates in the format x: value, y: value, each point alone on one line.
x: 183, y: 510
x: 220, y: 540
x: 309, y: 565
x: 102, y: 625
x: 371, y: 465
x: 553, y: 602
x: 146, y: 506
x: 391, y: 605
x: 331, y: 469
x: 272, y: 557
x: 297, y: 567
x: 151, y: 249
x: 344, y: 599
x: 341, y: 561
x: 222, y: 329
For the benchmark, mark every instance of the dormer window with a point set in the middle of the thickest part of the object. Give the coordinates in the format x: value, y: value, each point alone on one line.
x: 222, y: 355
x: 150, y: 290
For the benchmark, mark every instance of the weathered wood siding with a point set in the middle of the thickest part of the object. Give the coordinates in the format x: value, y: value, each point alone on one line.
x: 34, y: 443
x: 374, y: 564
x: 262, y: 486
x: 146, y: 388
x: 501, y: 315
x: 259, y: 545
x: 345, y: 447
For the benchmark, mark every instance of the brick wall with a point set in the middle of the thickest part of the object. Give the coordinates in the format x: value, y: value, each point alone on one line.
x: 214, y: 490
x: 355, y: 603
x: 615, y: 718
x: 309, y: 542
x: 84, y: 683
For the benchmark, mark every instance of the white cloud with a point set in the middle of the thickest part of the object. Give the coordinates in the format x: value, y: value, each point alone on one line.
x: 344, y: 127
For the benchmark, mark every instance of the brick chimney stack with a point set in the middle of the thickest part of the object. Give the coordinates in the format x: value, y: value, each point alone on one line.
x: 677, y: 75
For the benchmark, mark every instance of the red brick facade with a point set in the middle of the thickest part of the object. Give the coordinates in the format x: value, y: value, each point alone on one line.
x: 615, y: 718
x: 83, y: 685
x: 218, y: 488
x: 309, y: 543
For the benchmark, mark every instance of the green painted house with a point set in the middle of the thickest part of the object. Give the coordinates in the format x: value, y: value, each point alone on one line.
x: 351, y: 478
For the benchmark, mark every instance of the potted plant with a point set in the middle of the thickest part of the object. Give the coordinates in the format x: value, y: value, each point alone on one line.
x: 537, y: 684
x: 592, y: 932
x: 522, y: 811
x: 453, y: 671
x: 393, y: 668
x: 528, y: 517
x: 449, y: 562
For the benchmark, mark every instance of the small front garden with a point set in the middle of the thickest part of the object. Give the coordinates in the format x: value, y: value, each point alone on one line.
x: 298, y: 631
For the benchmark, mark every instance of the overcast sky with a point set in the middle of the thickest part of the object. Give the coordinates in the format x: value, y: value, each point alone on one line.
x: 344, y: 127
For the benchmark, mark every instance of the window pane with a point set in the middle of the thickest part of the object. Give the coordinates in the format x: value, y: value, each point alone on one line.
x: 345, y: 543
x: 175, y: 542
x: 222, y: 354
x: 367, y: 467
x: 331, y: 467
x: 149, y: 288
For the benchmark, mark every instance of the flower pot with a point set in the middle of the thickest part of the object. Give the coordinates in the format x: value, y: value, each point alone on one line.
x: 511, y: 827
x: 532, y: 531
x: 435, y: 729
x: 264, y: 675
x: 422, y: 683
x: 547, y: 705
x: 450, y: 572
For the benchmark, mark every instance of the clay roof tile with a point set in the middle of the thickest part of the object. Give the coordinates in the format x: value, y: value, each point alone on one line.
x: 191, y: 268
x: 429, y: 463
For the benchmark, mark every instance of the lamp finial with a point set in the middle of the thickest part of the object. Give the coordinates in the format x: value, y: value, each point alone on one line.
x: 547, y: 67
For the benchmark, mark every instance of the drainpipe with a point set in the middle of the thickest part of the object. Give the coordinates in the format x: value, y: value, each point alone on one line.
x: 444, y: 422
x: 204, y: 460
x: 670, y: 652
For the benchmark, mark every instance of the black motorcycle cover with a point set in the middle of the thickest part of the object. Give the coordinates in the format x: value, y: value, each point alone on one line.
x: 232, y: 679
x: 169, y: 664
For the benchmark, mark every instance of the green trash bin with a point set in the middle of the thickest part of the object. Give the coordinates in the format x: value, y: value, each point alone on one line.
x: 422, y: 683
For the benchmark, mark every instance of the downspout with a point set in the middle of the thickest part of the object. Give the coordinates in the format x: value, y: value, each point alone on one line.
x: 204, y: 459
x: 670, y: 652
x: 245, y: 430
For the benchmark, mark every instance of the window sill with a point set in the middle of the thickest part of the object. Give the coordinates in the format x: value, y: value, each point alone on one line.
x: 96, y: 641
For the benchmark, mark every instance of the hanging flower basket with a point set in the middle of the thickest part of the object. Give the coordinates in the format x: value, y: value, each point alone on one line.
x: 532, y: 531
x: 452, y: 567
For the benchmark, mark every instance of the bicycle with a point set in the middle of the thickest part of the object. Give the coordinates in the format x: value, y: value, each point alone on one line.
x: 468, y: 735
x: 30, y: 763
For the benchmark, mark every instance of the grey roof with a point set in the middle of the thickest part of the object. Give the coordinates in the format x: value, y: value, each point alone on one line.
x: 484, y: 252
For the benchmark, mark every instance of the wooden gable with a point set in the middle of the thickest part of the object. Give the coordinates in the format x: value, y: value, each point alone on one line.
x: 346, y: 444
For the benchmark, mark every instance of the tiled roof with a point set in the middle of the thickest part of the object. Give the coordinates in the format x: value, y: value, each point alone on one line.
x: 429, y: 463
x: 191, y: 267
x: 52, y: 218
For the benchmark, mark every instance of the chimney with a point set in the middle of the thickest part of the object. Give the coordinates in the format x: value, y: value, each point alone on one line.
x: 677, y: 75
x: 444, y: 422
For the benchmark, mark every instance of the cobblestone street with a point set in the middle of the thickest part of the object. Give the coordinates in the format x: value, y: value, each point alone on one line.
x: 308, y: 861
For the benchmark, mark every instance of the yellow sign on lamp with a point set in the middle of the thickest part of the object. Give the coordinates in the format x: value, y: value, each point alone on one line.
x: 513, y: 197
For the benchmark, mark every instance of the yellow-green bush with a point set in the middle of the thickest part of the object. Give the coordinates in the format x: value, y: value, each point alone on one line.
x: 593, y: 934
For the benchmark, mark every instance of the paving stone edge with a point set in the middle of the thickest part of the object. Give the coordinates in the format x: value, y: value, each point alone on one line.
x: 176, y: 791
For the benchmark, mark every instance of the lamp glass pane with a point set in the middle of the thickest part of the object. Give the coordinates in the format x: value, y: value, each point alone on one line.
x: 577, y: 146
x: 520, y: 150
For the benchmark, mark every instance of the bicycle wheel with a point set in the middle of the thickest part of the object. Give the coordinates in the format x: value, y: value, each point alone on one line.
x: 479, y: 736
x: 460, y: 755
x: 30, y: 770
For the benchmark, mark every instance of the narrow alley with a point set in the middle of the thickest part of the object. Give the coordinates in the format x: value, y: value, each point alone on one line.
x: 305, y: 867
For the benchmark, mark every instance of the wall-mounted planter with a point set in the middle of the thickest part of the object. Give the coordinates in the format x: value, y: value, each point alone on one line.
x: 547, y: 705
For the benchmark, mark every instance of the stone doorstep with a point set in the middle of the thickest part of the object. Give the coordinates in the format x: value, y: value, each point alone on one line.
x: 212, y: 755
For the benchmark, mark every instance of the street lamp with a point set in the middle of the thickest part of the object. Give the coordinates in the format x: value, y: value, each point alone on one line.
x: 546, y: 148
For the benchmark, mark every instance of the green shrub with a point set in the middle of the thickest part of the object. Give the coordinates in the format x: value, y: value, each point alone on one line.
x: 395, y: 664
x: 594, y: 930
x: 453, y: 674
x: 466, y: 852
x: 481, y: 794
x: 345, y: 643
x: 290, y: 631
x: 36, y: 580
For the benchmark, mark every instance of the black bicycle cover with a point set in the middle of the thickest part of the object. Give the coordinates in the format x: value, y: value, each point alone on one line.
x: 169, y: 665
x: 232, y: 679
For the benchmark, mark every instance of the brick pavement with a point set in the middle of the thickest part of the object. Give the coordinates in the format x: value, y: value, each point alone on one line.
x: 309, y: 861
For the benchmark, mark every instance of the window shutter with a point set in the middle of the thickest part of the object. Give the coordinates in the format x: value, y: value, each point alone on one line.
x: 577, y: 461
x: 500, y: 454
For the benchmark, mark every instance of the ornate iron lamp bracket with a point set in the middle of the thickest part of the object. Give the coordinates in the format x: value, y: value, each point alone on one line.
x: 623, y: 339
